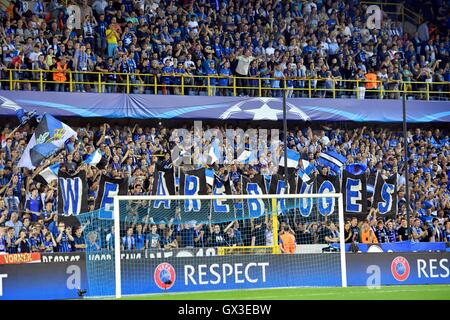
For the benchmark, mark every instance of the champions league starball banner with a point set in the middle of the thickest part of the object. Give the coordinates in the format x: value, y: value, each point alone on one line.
x: 140, y: 106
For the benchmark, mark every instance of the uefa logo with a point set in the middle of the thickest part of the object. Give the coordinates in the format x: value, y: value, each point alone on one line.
x: 164, y: 276
x: 400, y: 268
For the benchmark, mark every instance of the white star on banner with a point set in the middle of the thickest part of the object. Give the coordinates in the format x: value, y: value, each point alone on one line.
x: 265, y: 112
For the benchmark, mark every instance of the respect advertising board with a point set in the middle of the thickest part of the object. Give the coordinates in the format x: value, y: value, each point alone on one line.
x: 395, y: 268
x: 229, y: 272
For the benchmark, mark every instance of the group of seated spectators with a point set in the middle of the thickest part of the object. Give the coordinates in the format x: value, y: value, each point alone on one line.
x: 29, y: 219
x: 153, y: 46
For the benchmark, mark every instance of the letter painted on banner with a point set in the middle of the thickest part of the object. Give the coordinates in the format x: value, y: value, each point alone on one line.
x: 110, y: 190
x: 220, y: 206
x: 305, y: 204
x: 281, y: 203
x: 161, y: 190
x: 387, y: 192
x: 71, y: 190
x: 191, y: 188
x: 353, y: 187
x: 326, y: 205
x: 256, y: 207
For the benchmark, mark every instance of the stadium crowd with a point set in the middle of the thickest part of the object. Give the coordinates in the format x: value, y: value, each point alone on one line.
x: 281, y: 42
x: 29, y: 219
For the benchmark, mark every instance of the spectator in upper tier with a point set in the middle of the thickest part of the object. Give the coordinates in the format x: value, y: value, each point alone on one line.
x: 335, y: 45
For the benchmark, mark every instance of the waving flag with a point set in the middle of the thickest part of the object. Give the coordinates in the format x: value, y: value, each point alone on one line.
x: 292, y: 158
x: 333, y: 160
x: 209, y: 174
x: 245, y: 157
x: 214, y: 153
x: 94, y: 158
x: 49, y: 138
x: 48, y: 175
x: 306, y: 170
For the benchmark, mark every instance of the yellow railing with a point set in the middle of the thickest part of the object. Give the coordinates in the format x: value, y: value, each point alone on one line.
x: 40, y: 80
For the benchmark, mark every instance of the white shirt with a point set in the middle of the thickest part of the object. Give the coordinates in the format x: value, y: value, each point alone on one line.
x: 34, y: 56
x: 270, y: 51
x: 244, y: 64
x: 193, y: 25
x: 99, y: 6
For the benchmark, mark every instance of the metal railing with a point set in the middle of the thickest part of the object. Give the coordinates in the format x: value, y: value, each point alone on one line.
x: 182, y: 84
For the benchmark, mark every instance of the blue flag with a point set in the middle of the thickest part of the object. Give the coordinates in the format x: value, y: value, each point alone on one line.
x: 333, y: 160
x: 49, y: 137
x: 356, y: 168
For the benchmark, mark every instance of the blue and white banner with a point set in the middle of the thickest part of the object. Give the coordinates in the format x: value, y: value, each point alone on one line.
x: 72, y: 193
x: 335, y: 161
x: 163, y: 185
x: 306, y: 170
x: 48, y: 175
x: 354, y: 189
x: 140, y: 106
x: 254, y: 185
x: 48, y: 138
x: 94, y: 158
x: 293, y: 158
x: 385, y: 195
x: 324, y: 185
x: 108, y: 188
x: 193, y: 183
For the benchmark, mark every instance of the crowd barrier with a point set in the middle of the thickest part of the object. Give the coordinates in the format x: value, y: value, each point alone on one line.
x: 217, y: 85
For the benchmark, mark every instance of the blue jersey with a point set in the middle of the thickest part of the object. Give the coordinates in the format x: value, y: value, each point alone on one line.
x: 36, y: 242
x: 212, y: 80
x: 447, y: 235
x: 101, y: 29
x: 129, y: 243
x: 426, y: 218
x: 64, y: 245
x: 34, y: 205
x: 153, y: 240
x: 140, y: 241
x: 78, y: 240
x: 201, y: 241
x: 2, y: 244
x: 178, y: 79
x: 127, y: 39
x: 223, y: 82
x: 392, y: 235
x: 93, y: 246
x: 187, y: 237
x: 49, y: 247
x: 218, y: 50
x: 168, y: 240
x: 167, y: 79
